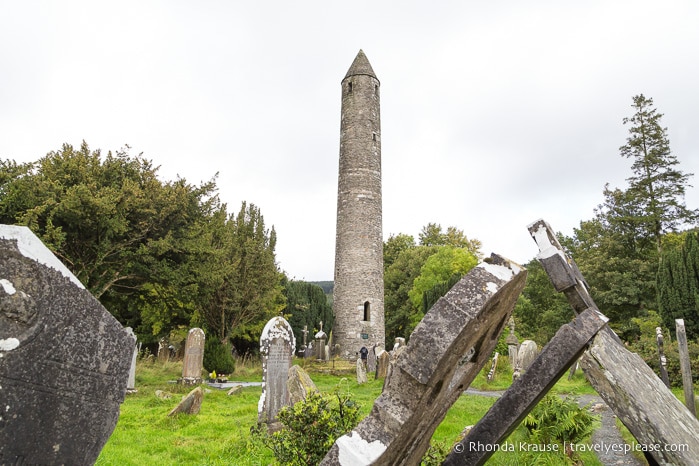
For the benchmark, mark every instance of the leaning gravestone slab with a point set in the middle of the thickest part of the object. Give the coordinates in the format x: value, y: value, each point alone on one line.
x: 526, y: 354
x: 64, y: 360
x: 277, y: 346
x: 448, y: 348
x: 193, y: 357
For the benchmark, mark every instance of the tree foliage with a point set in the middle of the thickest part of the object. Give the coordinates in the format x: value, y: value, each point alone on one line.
x: 307, y: 305
x: 157, y: 254
x: 678, y: 286
x: 618, y: 250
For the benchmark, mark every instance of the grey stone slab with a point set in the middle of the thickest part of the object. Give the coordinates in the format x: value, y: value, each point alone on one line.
x: 446, y: 351
x: 277, y: 346
x: 525, y: 392
x: 64, y: 360
x: 193, y: 362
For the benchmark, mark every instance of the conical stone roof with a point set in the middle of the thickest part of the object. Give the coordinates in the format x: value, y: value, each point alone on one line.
x: 360, y: 65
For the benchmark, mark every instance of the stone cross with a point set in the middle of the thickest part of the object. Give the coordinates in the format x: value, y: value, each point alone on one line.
x: 661, y: 356
x: 685, y: 366
x: 277, y: 346
x: 447, y: 350
x: 193, y: 357
x: 64, y: 359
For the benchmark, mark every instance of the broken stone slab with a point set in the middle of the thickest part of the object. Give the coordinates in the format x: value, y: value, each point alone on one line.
x: 190, y: 404
x: 448, y: 348
x: 624, y: 381
x: 299, y: 384
x: 512, y: 407
x: 64, y: 360
x: 642, y: 401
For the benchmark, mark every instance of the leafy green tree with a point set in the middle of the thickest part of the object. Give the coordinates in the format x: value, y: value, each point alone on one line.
x: 678, y: 286
x: 439, y: 267
x: 394, y: 245
x: 243, y: 283
x: 432, y: 235
x: 398, y: 281
x: 120, y: 230
x: 618, y: 251
x: 540, y: 310
x: 307, y: 305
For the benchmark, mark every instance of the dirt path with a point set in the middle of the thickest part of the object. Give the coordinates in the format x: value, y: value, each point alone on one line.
x: 606, y: 440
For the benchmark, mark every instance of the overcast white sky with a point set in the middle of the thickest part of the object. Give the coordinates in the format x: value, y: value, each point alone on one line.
x: 494, y: 114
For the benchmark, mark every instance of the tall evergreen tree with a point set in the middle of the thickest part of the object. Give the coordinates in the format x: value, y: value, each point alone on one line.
x: 657, y: 187
x: 678, y: 286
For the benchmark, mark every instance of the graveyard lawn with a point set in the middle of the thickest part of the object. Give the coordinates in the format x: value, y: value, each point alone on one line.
x: 220, y: 434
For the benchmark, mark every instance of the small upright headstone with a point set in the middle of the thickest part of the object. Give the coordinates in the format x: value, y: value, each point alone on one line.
x: 131, y: 384
x: 512, y: 343
x: 193, y: 357
x: 399, y: 341
x: 361, y: 372
x: 64, y: 359
x: 371, y: 360
x: 382, y: 362
x: 526, y: 354
x: 661, y: 356
x: 163, y: 350
x: 321, y: 348
x: 277, y: 346
x: 685, y: 366
x: 300, y: 385
x: 493, y: 366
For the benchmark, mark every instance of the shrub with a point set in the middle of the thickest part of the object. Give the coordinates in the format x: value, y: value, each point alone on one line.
x: 311, y: 427
x: 561, y: 421
x: 217, y: 356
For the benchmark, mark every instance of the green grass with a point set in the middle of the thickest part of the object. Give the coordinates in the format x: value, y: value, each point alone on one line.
x: 220, y: 433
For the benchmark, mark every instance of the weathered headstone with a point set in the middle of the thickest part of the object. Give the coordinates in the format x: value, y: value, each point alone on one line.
x: 493, y: 366
x: 371, y: 360
x: 320, y: 344
x: 190, y: 404
x: 64, y: 360
x: 685, y: 366
x: 310, y: 351
x: 131, y: 383
x: 382, y: 361
x: 299, y: 385
x: 512, y: 344
x: 448, y: 348
x: 163, y: 350
x: 277, y: 346
x: 361, y: 372
x: 662, y: 360
x: 398, y: 342
x: 526, y: 354
x: 193, y: 357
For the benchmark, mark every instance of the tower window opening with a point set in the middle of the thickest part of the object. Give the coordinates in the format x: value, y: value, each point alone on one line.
x: 373, y: 136
x: 349, y: 87
x: 367, y: 311
x: 376, y: 89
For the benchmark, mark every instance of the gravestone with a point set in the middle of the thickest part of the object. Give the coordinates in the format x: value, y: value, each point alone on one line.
x: 190, y: 404
x: 64, y: 360
x: 131, y: 383
x: 493, y: 366
x: 685, y: 366
x: 309, y: 352
x: 447, y: 350
x: 193, y: 357
x: 382, y: 361
x: 371, y: 360
x: 398, y: 342
x: 526, y: 354
x: 321, y: 347
x: 661, y: 356
x: 299, y: 384
x: 361, y: 372
x: 512, y: 344
x: 163, y: 350
x: 624, y: 381
x: 277, y: 346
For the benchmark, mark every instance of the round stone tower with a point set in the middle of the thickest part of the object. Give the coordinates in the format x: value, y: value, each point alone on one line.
x: 358, y: 289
